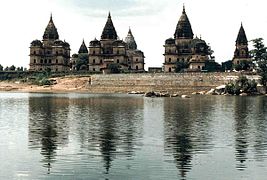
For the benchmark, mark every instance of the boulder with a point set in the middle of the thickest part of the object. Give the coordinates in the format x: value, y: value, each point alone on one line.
x: 150, y: 94
x: 202, y: 92
x: 211, y: 92
x: 261, y: 89
x: 243, y: 94
x: 220, y: 89
x: 136, y: 92
x: 185, y: 96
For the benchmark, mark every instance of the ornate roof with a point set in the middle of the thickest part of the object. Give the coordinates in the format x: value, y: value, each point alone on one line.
x: 37, y: 43
x: 241, y: 38
x: 109, y: 31
x: 51, y: 31
x: 119, y: 43
x: 83, y: 48
x: 170, y: 41
x: 130, y: 41
x: 95, y: 42
x: 183, y: 28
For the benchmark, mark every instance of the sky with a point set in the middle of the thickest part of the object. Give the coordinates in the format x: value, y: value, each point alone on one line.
x: 151, y: 22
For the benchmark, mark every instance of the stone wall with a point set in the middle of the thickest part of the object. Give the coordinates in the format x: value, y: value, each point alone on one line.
x: 173, y: 83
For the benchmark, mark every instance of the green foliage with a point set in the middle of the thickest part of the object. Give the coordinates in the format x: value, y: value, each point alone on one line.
x: 259, y: 54
x: 181, y: 66
x: 82, y: 61
x: 42, y: 79
x: 263, y: 72
x: 1, y: 68
x: 114, y: 68
x: 212, y: 66
x: 241, y: 85
x: 232, y: 89
x: 227, y: 65
x: 243, y: 65
x: 259, y: 51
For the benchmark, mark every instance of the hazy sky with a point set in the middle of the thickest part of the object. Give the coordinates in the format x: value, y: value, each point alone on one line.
x: 151, y: 21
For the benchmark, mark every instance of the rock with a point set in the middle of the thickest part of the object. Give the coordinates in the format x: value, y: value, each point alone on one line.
x: 185, y: 96
x: 136, y: 92
x: 220, y: 89
x: 243, y: 94
x: 164, y: 94
x: 150, y: 94
x: 202, y: 92
x: 261, y: 89
x: 174, y: 95
x: 211, y: 92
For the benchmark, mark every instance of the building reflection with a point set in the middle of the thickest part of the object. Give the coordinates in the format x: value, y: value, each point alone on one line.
x: 48, y: 128
x: 241, y: 110
x: 186, y: 130
x: 110, y: 126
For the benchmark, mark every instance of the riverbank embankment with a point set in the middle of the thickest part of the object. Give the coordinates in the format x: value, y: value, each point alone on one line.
x: 180, y: 83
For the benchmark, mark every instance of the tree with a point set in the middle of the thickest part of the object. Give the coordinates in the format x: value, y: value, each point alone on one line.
x: 82, y: 61
x: 243, y: 65
x: 114, y: 68
x: 259, y: 51
x: 180, y: 66
x: 1, y: 68
x: 227, y: 65
x: 259, y: 55
x: 212, y: 66
x: 241, y: 85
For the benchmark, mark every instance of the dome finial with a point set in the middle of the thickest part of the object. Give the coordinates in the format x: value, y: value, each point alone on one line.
x: 183, y: 8
x: 109, y: 16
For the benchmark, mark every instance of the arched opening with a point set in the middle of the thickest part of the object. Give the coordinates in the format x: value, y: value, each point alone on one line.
x: 170, y: 69
x: 136, y: 67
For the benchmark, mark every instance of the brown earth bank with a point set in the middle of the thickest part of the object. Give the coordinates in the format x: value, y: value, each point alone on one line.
x: 183, y: 83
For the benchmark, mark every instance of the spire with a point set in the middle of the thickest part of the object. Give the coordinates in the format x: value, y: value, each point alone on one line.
x: 51, y: 31
x: 130, y: 41
x: 241, y: 37
x: 183, y: 28
x: 109, y: 31
x: 83, y: 48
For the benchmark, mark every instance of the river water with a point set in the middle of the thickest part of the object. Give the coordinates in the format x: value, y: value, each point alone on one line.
x: 83, y: 136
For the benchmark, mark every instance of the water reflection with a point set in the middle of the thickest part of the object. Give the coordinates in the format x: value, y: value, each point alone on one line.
x: 48, y: 128
x: 260, y: 124
x: 187, y: 130
x: 109, y: 126
x: 241, y: 110
x: 251, y: 129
